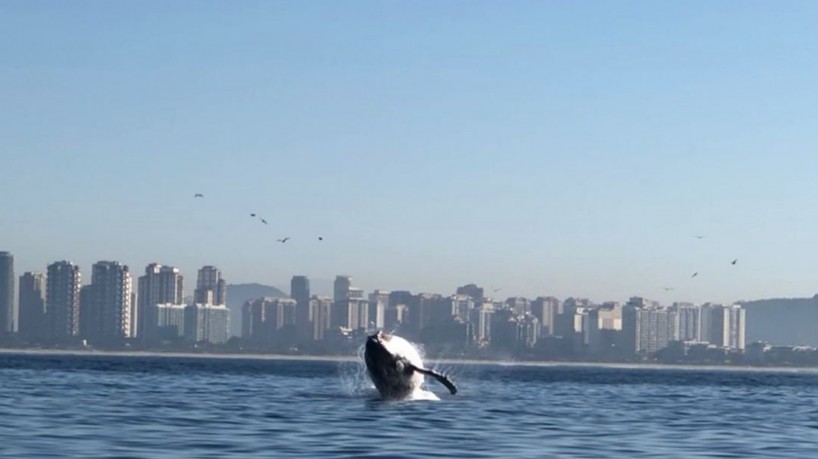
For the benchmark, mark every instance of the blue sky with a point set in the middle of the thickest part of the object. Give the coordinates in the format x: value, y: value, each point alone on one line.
x: 562, y: 148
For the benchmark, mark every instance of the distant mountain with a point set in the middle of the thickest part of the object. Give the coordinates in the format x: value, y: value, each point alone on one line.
x: 783, y: 321
x: 238, y: 294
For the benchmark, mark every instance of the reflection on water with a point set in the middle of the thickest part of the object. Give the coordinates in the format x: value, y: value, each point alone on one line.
x: 63, y: 406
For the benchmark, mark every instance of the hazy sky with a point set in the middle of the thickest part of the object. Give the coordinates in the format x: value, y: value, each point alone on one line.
x: 563, y: 148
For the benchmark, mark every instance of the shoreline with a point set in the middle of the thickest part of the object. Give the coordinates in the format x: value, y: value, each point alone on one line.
x: 349, y: 359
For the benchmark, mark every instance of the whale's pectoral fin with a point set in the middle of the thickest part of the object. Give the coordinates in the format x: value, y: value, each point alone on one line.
x: 441, y: 378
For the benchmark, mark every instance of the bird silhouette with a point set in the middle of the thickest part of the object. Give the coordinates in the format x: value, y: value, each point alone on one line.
x: 198, y: 195
x: 252, y: 215
x: 734, y: 261
x: 283, y: 240
x: 264, y: 221
x: 320, y: 238
x: 695, y: 274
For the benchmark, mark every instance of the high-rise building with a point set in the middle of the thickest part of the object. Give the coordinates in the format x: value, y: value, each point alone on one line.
x: 209, y: 323
x: 484, y: 318
x: 545, y: 309
x: 476, y: 293
x: 159, y: 285
x: 89, y: 314
x: 519, y: 305
x: 252, y: 319
x: 210, y: 287
x: 63, y: 300
x: 321, y: 308
x: 654, y: 329
x: 32, y: 324
x: 170, y: 321
x: 738, y: 318
x: 263, y: 317
x: 461, y: 308
x: 351, y: 313
x: 111, y: 302
x: 341, y: 288
x: 689, y: 317
x: 725, y: 325
x: 300, y: 292
x: 378, y: 303
x: 7, y: 309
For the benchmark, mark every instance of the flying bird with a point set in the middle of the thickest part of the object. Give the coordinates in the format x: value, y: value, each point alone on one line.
x: 252, y: 215
x: 734, y: 261
x: 198, y: 195
x: 283, y: 240
x: 695, y: 274
x: 699, y: 236
x: 320, y: 238
x: 263, y: 221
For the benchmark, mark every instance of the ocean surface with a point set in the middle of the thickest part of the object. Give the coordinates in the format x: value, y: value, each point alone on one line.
x: 94, y: 406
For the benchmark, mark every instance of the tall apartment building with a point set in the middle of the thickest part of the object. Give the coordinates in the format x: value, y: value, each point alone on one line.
x: 63, y: 300
x: 378, y: 303
x: 32, y: 323
x: 159, y: 285
x: 341, y: 288
x: 300, y: 292
x: 689, y: 318
x: 545, y: 309
x: 210, y: 287
x: 8, y: 313
x: 725, y: 325
x: 208, y: 323
x: 321, y: 312
x: 111, y: 309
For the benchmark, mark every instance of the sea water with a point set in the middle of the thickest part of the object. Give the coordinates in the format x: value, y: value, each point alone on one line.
x: 95, y: 406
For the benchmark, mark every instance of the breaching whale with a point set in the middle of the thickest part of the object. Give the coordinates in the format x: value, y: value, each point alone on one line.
x: 395, y: 367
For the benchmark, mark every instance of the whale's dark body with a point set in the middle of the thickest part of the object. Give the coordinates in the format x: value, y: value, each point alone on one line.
x: 395, y: 369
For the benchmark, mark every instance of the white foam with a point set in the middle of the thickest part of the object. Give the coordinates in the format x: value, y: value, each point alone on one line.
x: 420, y: 394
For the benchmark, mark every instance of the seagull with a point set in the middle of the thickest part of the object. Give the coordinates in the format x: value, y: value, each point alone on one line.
x: 695, y: 274
x: 283, y: 240
x: 198, y: 195
x: 734, y: 261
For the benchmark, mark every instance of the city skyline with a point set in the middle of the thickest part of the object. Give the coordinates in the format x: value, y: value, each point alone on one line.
x: 325, y: 285
x: 544, y: 146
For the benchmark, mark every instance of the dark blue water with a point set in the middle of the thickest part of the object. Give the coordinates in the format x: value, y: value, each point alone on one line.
x: 163, y: 407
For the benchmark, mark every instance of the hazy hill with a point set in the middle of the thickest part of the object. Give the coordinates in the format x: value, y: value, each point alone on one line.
x: 784, y: 321
x: 237, y: 294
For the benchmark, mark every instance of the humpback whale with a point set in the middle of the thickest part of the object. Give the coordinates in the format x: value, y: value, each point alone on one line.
x: 395, y: 367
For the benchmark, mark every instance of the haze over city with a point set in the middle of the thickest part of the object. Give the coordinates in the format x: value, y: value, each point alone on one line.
x: 541, y: 148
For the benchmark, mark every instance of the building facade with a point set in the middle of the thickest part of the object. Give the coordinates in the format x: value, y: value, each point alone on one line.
x: 211, y: 288
x: 63, y: 283
x: 111, y: 309
x: 32, y: 324
x: 8, y: 313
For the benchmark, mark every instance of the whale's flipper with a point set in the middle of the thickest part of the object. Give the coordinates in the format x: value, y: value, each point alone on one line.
x: 441, y: 378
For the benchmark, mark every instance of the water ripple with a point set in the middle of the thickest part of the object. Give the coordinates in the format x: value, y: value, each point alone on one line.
x: 113, y: 406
